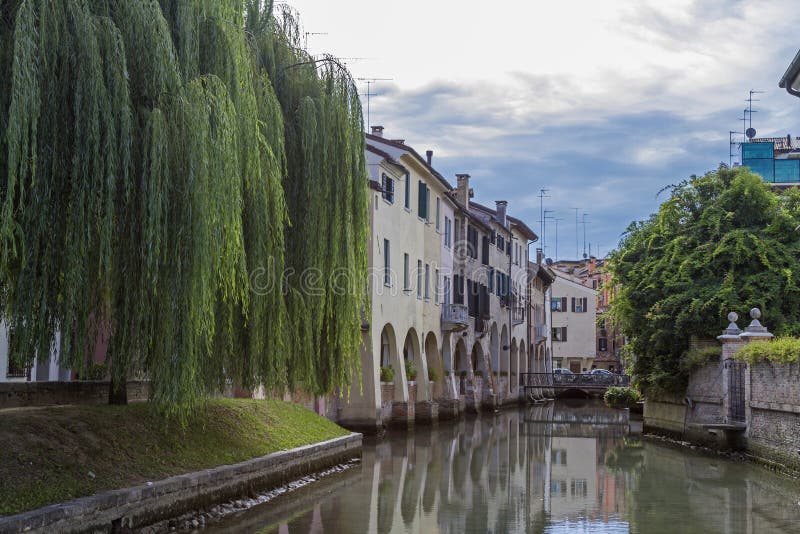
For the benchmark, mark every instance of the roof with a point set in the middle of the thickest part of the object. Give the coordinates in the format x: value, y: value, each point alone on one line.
x: 538, y: 270
x: 398, y: 143
x: 791, y: 72
x: 526, y: 231
x: 385, y: 155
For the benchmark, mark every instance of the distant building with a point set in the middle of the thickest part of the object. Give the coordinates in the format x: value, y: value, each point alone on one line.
x: 776, y: 159
x: 574, y: 320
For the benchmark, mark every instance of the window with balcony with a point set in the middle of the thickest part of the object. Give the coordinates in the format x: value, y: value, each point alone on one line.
x: 388, y: 188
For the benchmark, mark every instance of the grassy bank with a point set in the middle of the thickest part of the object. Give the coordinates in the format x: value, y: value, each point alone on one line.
x: 55, y: 454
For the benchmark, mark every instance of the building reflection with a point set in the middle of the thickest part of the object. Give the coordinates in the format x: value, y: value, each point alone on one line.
x: 547, y: 468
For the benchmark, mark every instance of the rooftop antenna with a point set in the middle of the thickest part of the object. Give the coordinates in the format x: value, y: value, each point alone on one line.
x: 577, y: 249
x: 556, y: 219
x: 731, y: 144
x: 584, y: 222
x: 306, y: 34
x: 750, y: 109
x: 542, y: 195
x: 544, y: 231
x: 369, y: 93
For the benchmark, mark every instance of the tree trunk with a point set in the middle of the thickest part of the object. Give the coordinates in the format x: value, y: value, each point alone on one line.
x: 118, y: 391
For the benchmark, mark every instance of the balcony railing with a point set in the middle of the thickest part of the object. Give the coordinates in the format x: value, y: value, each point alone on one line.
x: 454, y: 317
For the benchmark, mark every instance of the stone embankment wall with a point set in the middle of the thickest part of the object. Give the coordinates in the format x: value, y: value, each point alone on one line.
x: 133, y: 508
x: 19, y: 394
x: 772, y: 408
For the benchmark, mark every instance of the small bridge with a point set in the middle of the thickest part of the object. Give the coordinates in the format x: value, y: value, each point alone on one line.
x: 536, y: 384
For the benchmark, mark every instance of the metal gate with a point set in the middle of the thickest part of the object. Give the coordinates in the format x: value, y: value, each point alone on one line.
x: 736, y: 410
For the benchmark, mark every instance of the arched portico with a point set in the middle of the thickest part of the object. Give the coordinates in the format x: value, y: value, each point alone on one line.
x: 433, y: 361
x: 514, y: 367
x: 389, y: 357
x: 494, y: 347
x: 412, y: 354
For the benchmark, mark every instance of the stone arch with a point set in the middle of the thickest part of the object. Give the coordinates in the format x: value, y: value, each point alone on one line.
x: 461, y: 361
x: 505, y: 346
x: 494, y: 347
x: 524, y: 364
x: 433, y: 360
x: 476, y: 358
x: 513, y: 371
x: 412, y: 352
x: 389, y: 357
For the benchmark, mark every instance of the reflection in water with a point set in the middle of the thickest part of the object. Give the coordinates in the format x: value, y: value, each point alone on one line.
x: 554, y: 468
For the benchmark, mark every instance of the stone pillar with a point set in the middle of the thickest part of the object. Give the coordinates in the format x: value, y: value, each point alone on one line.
x: 754, y: 333
x: 731, y: 343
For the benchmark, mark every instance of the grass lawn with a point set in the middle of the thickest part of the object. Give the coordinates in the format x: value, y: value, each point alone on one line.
x: 54, y: 454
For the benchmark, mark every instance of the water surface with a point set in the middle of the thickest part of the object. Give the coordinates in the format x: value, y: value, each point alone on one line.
x: 554, y: 468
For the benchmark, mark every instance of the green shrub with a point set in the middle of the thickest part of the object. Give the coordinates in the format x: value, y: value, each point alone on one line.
x: 463, y: 374
x: 387, y: 374
x: 433, y: 374
x: 696, y: 358
x: 779, y: 350
x: 478, y: 373
x: 97, y: 371
x: 411, y: 371
x: 624, y: 397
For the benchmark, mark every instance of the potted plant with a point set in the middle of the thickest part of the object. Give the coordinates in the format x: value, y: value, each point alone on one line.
x: 387, y: 374
x: 411, y: 371
x: 433, y: 374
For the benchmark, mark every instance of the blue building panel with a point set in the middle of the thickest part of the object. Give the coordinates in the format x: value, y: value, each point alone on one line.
x: 763, y: 167
x: 787, y: 170
x: 757, y: 151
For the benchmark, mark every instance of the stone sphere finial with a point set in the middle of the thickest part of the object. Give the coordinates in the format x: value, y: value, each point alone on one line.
x: 733, y: 317
x: 755, y: 313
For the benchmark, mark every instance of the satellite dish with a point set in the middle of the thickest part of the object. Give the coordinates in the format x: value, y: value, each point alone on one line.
x: 750, y: 133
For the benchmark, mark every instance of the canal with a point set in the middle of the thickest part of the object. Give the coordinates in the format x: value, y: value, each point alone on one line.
x: 555, y: 468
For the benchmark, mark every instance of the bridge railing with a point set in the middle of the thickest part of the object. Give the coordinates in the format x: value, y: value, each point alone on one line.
x: 577, y: 380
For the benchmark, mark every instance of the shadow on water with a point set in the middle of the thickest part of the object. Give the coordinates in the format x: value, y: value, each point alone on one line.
x: 570, y: 466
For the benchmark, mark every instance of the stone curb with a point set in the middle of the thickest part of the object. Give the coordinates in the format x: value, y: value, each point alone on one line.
x: 139, y: 506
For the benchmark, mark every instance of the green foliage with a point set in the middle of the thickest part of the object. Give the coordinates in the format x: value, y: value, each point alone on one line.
x: 433, y: 374
x: 387, y: 374
x: 411, y: 370
x: 779, y: 350
x: 722, y: 242
x: 152, y: 155
x: 696, y: 358
x: 621, y: 397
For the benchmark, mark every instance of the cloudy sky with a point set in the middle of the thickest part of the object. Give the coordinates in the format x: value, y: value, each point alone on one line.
x: 603, y: 103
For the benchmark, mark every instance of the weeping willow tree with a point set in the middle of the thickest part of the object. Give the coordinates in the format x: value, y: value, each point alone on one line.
x: 162, y: 165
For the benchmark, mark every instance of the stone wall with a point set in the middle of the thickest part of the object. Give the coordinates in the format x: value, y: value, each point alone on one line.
x: 20, y: 394
x: 131, y: 509
x: 773, y: 429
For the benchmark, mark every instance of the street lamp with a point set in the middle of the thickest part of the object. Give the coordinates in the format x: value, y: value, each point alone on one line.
x: 791, y: 78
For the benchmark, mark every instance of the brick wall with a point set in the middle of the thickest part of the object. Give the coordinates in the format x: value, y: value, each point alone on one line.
x: 18, y: 394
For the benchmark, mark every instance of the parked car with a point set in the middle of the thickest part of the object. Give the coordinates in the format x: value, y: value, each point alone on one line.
x: 601, y: 372
x: 562, y: 371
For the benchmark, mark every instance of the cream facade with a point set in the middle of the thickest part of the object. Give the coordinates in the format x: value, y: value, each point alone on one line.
x: 573, y: 311
x: 42, y: 369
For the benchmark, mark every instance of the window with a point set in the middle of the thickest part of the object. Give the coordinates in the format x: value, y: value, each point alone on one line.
x: 447, y: 228
x: 579, y: 305
x: 559, y: 456
x: 388, y: 188
x: 501, y: 243
x: 602, y: 344
x: 558, y: 487
x: 578, y: 487
x: 559, y: 333
x: 436, y: 286
x: 458, y: 289
x: 408, y: 191
x: 438, y: 212
x: 472, y: 241
x: 406, y: 273
x: 387, y: 269
x: 558, y: 304
x: 493, y: 237
x: 491, y: 279
x: 427, y: 281
x: 419, y: 279
x: 446, y: 299
x: 424, y: 201
x: 485, y: 251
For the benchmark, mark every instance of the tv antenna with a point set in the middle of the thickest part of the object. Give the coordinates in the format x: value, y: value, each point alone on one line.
x: 555, y: 220
x: 584, y: 222
x: 546, y: 215
x: 305, y: 37
x: 731, y: 144
x: 369, y: 93
x: 750, y: 110
x: 577, y: 248
x: 542, y: 195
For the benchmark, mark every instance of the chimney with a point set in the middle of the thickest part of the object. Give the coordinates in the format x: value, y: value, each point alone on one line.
x: 429, y: 156
x: 462, y: 189
x: 789, y: 140
x: 539, y: 256
x: 501, y: 213
x: 377, y: 131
